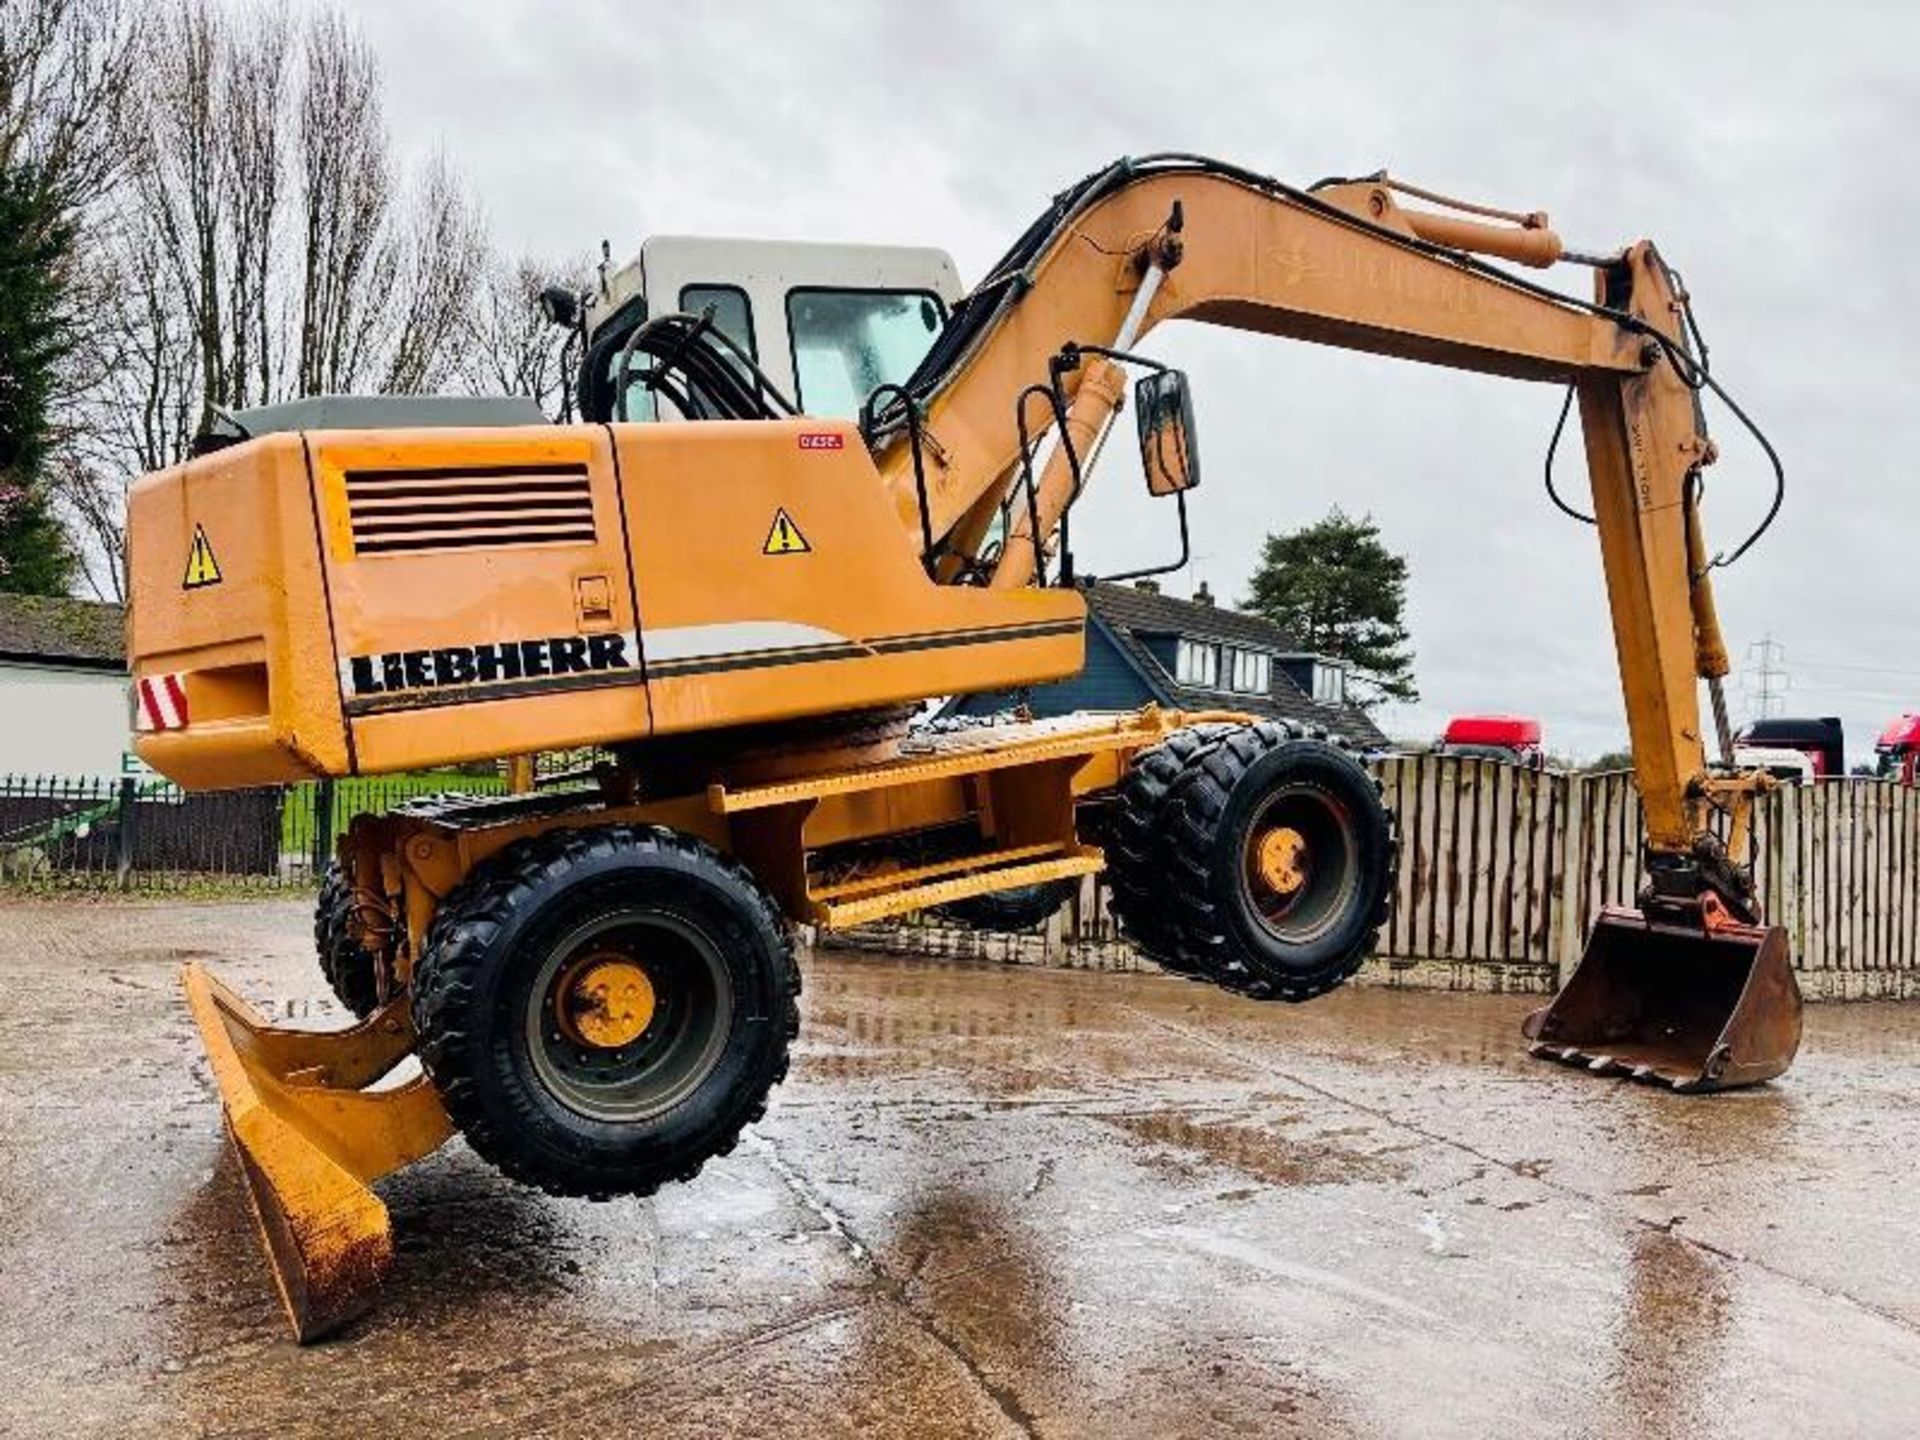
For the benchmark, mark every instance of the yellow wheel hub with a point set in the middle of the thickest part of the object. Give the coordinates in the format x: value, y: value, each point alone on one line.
x: 607, y: 1003
x: 1282, y: 859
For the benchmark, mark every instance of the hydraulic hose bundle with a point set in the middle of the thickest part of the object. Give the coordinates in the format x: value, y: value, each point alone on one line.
x: 698, y: 368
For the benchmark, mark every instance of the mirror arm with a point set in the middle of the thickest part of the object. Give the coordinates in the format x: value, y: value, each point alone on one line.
x: 1070, y: 353
x: 1065, y: 362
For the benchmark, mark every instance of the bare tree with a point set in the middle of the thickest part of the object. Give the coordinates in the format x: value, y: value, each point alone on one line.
x: 438, y: 252
x: 346, y: 188
x: 260, y: 247
x: 63, y: 70
x: 253, y: 109
x: 508, y: 347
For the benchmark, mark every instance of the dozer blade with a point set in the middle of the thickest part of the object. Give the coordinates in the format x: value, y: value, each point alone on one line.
x: 1695, y: 1007
x: 310, y: 1140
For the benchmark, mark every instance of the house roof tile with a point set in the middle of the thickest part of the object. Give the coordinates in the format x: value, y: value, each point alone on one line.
x: 1129, y: 613
x: 56, y: 629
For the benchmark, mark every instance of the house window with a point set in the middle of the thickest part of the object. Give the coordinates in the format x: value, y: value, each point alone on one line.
x: 1329, y: 683
x: 1198, y: 664
x: 1251, y: 673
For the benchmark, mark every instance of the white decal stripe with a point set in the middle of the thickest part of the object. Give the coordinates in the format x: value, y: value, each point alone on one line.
x: 691, y: 642
x: 163, y: 704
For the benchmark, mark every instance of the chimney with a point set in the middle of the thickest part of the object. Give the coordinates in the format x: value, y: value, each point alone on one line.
x: 1203, y: 596
x: 1152, y: 587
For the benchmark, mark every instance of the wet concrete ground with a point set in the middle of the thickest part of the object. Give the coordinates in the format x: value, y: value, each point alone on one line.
x: 988, y: 1202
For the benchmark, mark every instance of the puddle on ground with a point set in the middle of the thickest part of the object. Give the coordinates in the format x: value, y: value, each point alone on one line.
x: 1263, y: 1154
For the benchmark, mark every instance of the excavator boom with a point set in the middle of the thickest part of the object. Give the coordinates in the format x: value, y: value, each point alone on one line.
x: 1346, y: 264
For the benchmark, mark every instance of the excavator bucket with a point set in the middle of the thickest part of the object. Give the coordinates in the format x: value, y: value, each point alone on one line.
x: 1695, y: 1007
x: 311, y: 1138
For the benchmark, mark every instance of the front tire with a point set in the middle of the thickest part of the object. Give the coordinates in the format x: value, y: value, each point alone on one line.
x: 604, y: 1010
x: 1136, y: 872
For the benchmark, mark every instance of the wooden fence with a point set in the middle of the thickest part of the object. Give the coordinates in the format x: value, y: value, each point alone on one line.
x: 1502, y: 869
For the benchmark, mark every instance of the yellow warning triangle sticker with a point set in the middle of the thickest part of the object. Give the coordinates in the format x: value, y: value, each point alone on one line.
x: 202, y: 568
x: 785, y: 537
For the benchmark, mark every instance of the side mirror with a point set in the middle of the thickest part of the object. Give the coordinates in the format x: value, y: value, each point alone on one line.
x: 1163, y: 409
x: 561, y: 306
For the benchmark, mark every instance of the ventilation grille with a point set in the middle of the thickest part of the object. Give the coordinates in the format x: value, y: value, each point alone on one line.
x: 398, y: 511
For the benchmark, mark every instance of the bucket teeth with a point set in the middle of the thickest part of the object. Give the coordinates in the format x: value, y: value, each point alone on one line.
x: 310, y: 1140
x: 1706, y: 1007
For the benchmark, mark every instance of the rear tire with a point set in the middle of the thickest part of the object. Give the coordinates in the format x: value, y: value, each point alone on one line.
x: 1136, y: 871
x: 352, y: 971
x: 552, y: 1080
x: 1280, y: 861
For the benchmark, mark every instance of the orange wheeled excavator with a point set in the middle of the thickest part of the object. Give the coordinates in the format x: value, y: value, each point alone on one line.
x: 741, y: 602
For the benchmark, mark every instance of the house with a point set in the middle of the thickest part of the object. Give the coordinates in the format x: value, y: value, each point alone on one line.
x: 63, y: 687
x: 1145, y: 647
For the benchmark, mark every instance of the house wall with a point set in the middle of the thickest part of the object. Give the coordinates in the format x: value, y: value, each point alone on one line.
x: 1164, y: 648
x: 1107, y: 682
x: 62, y: 721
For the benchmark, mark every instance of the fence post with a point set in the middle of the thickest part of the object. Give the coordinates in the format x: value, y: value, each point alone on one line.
x: 322, y: 827
x: 123, y: 845
x: 1568, y: 941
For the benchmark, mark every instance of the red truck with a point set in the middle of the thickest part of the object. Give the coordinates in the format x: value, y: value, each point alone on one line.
x: 1897, y: 748
x: 1821, y: 739
x: 1512, y: 738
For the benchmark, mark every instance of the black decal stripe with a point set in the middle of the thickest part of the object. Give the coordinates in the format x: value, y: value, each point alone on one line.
x: 752, y: 660
x: 897, y: 644
x: 323, y: 562
x: 889, y: 645
x: 479, y: 694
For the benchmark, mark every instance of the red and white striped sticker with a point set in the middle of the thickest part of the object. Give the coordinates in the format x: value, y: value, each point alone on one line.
x: 163, y: 703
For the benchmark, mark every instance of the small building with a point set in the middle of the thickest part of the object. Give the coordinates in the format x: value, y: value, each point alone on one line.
x: 63, y: 687
x: 1144, y: 647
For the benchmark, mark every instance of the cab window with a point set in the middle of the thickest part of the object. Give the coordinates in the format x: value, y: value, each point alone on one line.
x: 845, y: 342
x: 732, y: 314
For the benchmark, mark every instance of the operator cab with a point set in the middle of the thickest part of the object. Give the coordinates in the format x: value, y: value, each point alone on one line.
x: 826, y: 323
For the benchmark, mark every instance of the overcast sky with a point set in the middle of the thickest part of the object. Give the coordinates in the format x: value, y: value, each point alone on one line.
x: 1766, y: 148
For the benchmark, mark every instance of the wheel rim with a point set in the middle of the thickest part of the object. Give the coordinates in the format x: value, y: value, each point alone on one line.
x: 628, y: 1014
x: 1299, y: 864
